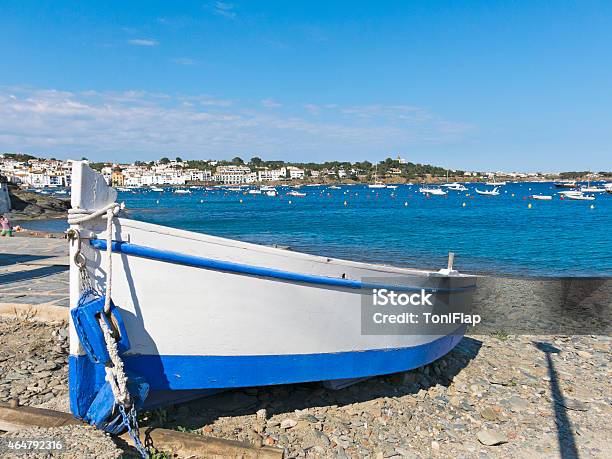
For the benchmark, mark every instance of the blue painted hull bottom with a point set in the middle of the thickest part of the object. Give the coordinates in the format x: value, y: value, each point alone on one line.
x: 176, y: 378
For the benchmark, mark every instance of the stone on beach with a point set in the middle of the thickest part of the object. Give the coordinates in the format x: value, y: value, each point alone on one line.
x: 492, y: 438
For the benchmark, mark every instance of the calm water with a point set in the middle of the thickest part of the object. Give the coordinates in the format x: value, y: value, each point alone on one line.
x: 403, y: 227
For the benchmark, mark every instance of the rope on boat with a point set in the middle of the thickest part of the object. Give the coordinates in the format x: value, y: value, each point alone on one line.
x: 78, y: 216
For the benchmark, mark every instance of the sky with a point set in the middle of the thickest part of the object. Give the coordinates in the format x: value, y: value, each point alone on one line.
x: 476, y: 85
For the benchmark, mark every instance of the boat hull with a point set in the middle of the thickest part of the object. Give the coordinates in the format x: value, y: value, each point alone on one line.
x: 194, y: 329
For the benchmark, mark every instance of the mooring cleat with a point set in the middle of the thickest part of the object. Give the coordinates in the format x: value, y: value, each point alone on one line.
x: 85, y: 320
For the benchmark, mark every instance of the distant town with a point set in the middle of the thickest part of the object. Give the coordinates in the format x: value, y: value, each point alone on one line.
x: 29, y: 171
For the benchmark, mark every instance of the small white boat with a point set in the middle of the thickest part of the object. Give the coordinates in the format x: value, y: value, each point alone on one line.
x: 455, y: 186
x: 181, y: 191
x: 234, y: 188
x: 592, y: 189
x: 435, y: 191
x: 569, y: 192
x: 580, y: 196
x: 297, y: 194
x: 272, y: 193
x: 157, y: 189
x: 377, y: 184
x: 254, y: 191
x: 334, y: 187
x: 608, y: 187
x: 494, y: 183
x: 541, y: 197
x: 565, y: 184
x: 493, y: 192
x: 120, y: 188
x: 392, y: 187
x: 194, y: 313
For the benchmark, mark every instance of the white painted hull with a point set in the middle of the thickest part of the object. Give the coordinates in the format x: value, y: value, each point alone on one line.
x: 192, y: 328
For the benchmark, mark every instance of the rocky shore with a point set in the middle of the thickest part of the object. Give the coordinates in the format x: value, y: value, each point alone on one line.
x: 497, y: 394
x: 511, y: 396
x: 26, y: 205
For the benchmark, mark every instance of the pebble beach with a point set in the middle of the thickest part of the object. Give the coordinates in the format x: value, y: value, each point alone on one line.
x: 497, y: 394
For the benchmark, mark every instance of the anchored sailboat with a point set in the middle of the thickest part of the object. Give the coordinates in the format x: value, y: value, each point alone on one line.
x: 377, y: 183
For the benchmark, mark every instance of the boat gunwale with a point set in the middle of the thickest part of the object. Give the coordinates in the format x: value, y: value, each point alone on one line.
x: 233, y: 243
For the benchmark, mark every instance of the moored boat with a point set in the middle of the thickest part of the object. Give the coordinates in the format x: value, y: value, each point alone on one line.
x: 376, y: 184
x: 565, y: 184
x: 592, y: 189
x: 580, y: 196
x: 455, y: 186
x: 435, y: 191
x: 493, y: 192
x: 541, y: 197
x: 196, y: 313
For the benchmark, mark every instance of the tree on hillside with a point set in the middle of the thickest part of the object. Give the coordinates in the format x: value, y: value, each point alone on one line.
x: 21, y: 157
x: 256, y: 161
x: 237, y: 160
x: 164, y: 160
x: 178, y: 159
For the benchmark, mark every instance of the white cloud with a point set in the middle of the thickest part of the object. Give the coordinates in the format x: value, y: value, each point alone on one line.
x: 133, y: 125
x: 184, y: 61
x: 271, y: 103
x: 224, y: 9
x: 143, y: 42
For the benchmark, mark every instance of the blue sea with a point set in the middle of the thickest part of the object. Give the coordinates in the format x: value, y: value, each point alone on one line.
x: 499, y: 235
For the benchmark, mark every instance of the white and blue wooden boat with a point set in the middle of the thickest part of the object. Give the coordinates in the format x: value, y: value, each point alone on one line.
x: 206, y: 313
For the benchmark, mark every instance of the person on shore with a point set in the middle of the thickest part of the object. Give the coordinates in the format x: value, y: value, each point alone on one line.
x: 6, y: 227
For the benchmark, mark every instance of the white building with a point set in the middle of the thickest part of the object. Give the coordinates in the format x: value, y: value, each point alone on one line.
x: 269, y: 175
x: 232, y: 175
x: 295, y: 173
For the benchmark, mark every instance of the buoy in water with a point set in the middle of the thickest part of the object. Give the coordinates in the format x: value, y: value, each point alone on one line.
x: 241, y: 201
x: 592, y: 206
x: 345, y: 203
x: 157, y: 202
x: 290, y: 201
x: 463, y: 205
x: 406, y: 204
x: 529, y: 206
x: 512, y: 194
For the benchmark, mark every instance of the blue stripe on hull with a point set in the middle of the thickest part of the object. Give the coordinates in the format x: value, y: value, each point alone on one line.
x: 183, y: 372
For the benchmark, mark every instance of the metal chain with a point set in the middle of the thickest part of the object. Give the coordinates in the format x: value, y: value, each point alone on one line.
x: 130, y: 420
